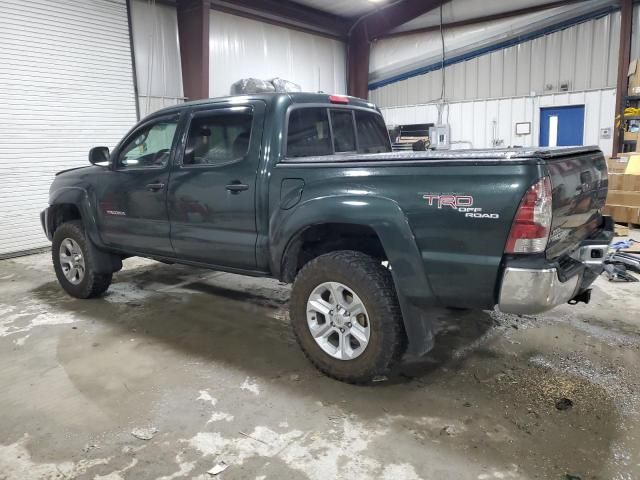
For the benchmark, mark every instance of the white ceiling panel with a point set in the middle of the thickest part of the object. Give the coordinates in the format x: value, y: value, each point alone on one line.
x: 344, y: 8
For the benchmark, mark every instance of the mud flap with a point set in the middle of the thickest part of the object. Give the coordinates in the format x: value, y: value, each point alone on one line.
x: 103, y: 262
x: 418, y: 327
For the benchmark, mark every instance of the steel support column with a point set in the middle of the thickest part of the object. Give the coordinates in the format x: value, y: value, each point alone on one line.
x: 193, y: 32
x: 358, y: 47
x: 624, y: 56
x: 374, y: 25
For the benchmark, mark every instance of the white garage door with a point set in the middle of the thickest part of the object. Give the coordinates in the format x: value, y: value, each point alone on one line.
x: 66, y: 84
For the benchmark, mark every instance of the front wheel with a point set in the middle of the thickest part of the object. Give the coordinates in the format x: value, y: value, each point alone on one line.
x: 73, y: 264
x: 345, y: 315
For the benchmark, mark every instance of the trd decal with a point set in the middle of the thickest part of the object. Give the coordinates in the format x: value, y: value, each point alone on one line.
x: 460, y: 203
x: 453, y: 201
x: 108, y: 207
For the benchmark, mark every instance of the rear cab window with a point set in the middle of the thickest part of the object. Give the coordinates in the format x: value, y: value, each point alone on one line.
x: 308, y: 133
x: 318, y: 131
x: 344, y: 137
x: 373, y: 136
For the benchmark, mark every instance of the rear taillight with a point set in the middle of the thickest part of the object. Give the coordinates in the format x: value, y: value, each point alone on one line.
x: 530, y: 229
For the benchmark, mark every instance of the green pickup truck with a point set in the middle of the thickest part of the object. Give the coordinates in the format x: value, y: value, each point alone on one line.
x: 304, y: 187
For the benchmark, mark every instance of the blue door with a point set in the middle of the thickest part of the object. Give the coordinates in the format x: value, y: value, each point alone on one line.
x: 562, y: 126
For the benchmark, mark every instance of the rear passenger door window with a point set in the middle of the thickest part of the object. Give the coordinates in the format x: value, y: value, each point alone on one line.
x: 344, y: 135
x: 218, y: 139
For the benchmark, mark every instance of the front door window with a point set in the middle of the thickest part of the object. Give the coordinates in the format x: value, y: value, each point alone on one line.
x: 150, y: 147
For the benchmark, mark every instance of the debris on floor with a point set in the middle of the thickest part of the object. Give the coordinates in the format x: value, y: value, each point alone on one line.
x: 564, y: 404
x: 629, y: 260
x: 628, y: 244
x: 448, y: 430
x: 623, y: 256
x: 618, y: 273
x: 218, y: 468
x: 621, y: 230
x: 144, y: 433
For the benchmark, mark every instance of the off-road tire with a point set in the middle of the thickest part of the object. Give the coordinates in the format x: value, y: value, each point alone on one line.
x: 373, y: 284
x: 93, y: 284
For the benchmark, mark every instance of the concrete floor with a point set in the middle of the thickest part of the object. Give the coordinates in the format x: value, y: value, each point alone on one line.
x: 208, y: 361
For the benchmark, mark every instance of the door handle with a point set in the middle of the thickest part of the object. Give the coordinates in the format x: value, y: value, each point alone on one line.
x: 154, y: 187
x: 236, y: 187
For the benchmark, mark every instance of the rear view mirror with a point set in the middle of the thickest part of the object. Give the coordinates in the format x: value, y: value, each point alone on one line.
x: 99, y: 156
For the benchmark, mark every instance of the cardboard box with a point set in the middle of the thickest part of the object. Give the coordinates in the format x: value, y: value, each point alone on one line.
x: 633, y: 166
x: 617, y: 165
x: 632, y: 136
x: 621, y: 197
x: 633, y: 75
x: 622, y: 213
x: 630, y: 183
x: 615, y: 181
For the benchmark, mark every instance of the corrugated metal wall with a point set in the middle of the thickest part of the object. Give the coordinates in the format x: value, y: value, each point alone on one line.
x: 157, y: 53
x: 584, y: 56
x: 485, y: 123
x: 240, y: 48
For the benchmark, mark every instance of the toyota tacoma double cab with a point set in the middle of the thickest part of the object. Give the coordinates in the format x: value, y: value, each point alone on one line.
x: 304, y: 187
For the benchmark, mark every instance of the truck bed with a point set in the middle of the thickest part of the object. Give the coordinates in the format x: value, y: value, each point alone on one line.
x: 501, y: 155
x: 458, y: 250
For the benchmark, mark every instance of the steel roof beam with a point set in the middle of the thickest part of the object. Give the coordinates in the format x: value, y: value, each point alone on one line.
x: 371, y: 26
x: 487, y: 18
x: 288, y: 14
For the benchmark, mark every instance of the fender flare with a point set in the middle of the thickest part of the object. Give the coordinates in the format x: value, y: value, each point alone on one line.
x: 79, y: 197
x: 105, y: 262
x: 389, y: 222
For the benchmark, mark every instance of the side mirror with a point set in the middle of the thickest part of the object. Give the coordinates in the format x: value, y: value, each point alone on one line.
x: 99, y: 156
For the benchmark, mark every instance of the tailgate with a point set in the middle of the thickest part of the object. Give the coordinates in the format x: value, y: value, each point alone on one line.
x: 579, y: 185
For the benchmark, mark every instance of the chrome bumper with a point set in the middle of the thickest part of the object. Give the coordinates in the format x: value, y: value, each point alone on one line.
x: 528, y: 291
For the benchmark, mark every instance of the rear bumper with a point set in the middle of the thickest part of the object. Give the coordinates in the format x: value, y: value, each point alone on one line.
x: 538, y: 288
x: 527, y: 291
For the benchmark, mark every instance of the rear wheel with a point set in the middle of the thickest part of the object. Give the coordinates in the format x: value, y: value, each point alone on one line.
x: 345, y: 315
x: 73, y: 264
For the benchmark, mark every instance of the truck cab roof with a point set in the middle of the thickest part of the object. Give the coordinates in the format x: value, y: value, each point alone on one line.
x: 270, y: 98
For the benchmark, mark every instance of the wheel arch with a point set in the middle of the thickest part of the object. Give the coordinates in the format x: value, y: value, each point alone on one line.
x: 388, y: 237
x: 73, y: 203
